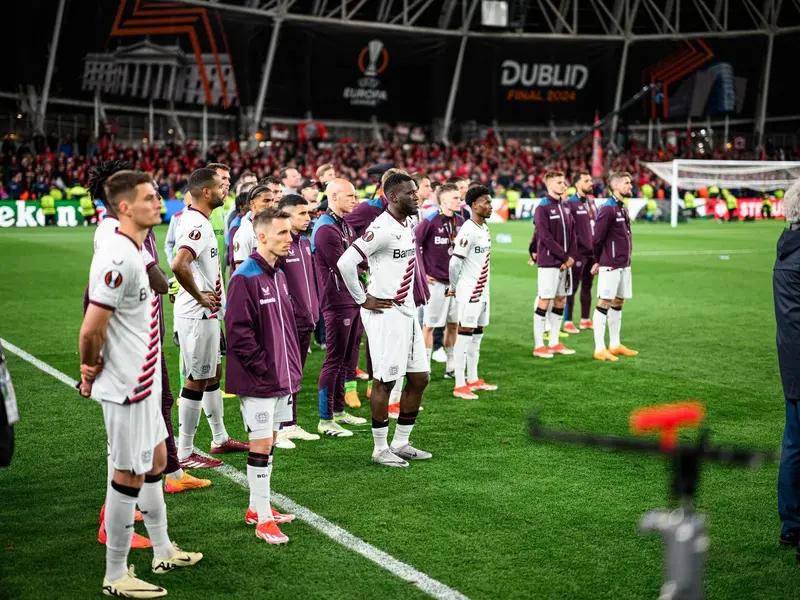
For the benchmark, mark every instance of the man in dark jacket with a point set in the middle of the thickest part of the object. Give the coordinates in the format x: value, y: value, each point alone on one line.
x: 584, y: 215
x: 612, y: 250
x: 330, y: 238
x: 263, y: 365
x: 298, y: 265
x: 786, y: 288
x: 556, y: 249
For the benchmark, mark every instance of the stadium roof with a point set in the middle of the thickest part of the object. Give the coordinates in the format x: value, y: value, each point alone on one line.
x: 541, y: 19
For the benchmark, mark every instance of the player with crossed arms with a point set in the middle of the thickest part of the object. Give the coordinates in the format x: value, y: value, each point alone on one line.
x: 389, y: 315
x: 120, y: 346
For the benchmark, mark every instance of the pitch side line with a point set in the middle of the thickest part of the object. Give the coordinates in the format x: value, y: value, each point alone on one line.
x: 427, y: 584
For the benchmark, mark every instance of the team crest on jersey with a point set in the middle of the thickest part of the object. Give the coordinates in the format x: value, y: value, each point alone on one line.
x: 368, y: 236
x: 113, y: 279
x: 194, y: 234
x: 464, y: 242
x: 347, y: 322
x: 262, y: 417
x: 147, y: 455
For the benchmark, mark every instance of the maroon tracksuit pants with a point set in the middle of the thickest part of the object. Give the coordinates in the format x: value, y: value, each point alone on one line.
x: 341, y: 333
x: 304, y: 339
x: 581, y: 277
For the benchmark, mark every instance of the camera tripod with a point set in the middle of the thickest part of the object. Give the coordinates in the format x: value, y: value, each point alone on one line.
x: 683, y: 529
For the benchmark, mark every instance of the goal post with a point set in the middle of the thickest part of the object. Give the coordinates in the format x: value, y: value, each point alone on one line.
x: 731, y: 174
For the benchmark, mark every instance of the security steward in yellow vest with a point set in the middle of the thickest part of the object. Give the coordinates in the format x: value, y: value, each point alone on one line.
x: 48, y: 209
x: 731, y: 204
x: 689, y: 206
x: 766, y: 206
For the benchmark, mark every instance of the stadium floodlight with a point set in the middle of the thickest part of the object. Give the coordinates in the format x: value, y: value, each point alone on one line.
x: 756, y: 175
x: 494, y: 13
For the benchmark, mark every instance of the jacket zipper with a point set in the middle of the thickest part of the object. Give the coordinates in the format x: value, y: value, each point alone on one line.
x: 563, y: 227
x: 305, y: 272
x: 613, y: 250
x: 283, y: 329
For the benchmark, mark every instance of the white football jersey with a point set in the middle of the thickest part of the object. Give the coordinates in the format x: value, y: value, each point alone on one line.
x: 388, y: 247
x: 196, y: 235
x: 105, y: 232
x: 474, y: 245
x: 245, y: 240
x: 118, y: 282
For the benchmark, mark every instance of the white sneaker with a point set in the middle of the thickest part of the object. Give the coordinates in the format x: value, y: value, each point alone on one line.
x: 439, y: 356
x: 176, y: 561
x: 295, y: 432
x: 333, y: 429
x: 345, y: 418
x: 388, y: 458
x: 283, y: 442
x: 408, y: 452
x: 129, y: 586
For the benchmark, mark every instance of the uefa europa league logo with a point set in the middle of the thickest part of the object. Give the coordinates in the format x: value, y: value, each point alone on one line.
x: 373, y: 59
x: 374, y: 49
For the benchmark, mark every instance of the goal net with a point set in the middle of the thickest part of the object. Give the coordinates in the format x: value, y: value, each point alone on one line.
x: 741, y: 177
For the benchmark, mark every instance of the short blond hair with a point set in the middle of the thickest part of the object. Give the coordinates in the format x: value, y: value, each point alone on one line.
x: 553, y: 174
x: 322, y: 168
x: 390, y: 172
x: 617, y: 176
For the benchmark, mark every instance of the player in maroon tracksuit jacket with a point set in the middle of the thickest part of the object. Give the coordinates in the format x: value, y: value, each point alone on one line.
x: 330, y: 238
x: 584, y: 215
x: 612, y: 250
x: 263, y: 365
x: 556, y: 249
x: 298, y: 265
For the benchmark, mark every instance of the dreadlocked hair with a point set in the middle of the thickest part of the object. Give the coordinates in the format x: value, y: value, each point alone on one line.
x: 99, y: 175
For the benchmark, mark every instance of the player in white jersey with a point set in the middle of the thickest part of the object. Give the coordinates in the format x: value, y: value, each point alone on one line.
x: 198, y: 308
x: 120, y: 346
x: 245, y: 240
x: 390, y: 319
x: 469, y: 281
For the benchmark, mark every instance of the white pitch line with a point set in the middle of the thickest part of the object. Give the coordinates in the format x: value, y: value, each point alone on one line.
x: 427, y: 584
x: 650, y: 252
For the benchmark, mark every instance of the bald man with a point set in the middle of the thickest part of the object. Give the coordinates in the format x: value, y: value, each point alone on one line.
x: 330, y: 238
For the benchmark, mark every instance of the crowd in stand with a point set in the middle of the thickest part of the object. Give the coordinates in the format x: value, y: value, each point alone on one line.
x: 31, y: 169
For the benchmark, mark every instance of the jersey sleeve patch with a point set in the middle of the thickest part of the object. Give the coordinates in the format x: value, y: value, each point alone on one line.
x: 113, y: 279
x: 368, y: 236
x: 194, y: 234
x: 464, y: 242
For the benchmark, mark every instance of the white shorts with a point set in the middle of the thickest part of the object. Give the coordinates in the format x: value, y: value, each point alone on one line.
x: 395, y: 344
x: 473, y: 314
x: 199, y: 340
x: 440, y: 309
x: 134, y: 431
x: 614, y: 283
x: 262, y: 416
x: 553, y: 282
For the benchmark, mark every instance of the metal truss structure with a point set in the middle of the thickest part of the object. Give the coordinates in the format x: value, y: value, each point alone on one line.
x: 625, y: 21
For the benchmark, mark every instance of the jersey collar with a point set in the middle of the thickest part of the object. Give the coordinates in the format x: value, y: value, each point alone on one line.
x: 198, y: 211
x: 118, y: 232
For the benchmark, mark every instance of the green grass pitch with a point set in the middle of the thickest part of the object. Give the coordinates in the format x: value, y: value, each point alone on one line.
x: 494, y: 515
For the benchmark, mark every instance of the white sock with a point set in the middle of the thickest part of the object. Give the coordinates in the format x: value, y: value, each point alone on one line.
x: 212, y: 406
x: 449, y: 364
x: 176, y: 475
x: 428, y: 352
x: 460, y: 358
x: 258, y: 477
x: 539, y: 322
x: 401, y: 433
x: 614, y: 326
x: 109, y: 469
x: 555, y: 327
x: 379, y: 436
x: 120, y: 511
x: 599, y: 321
x: 188, y: 420
x: 473, y: 356
x: 154, y: 511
